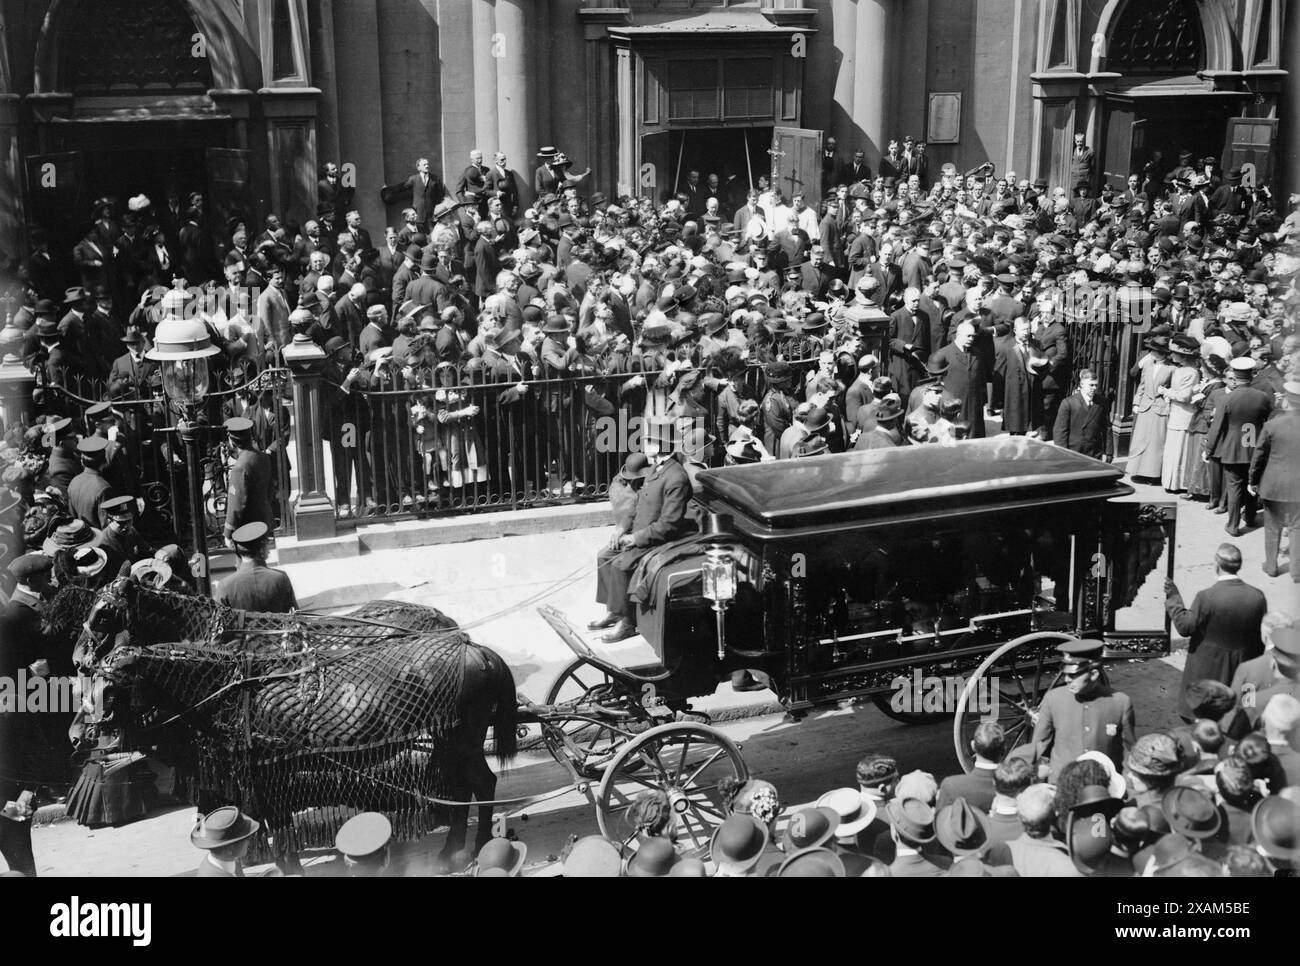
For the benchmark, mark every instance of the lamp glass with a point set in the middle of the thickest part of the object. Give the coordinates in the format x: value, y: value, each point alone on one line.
x: 719, y: 575
x: 185, y: 380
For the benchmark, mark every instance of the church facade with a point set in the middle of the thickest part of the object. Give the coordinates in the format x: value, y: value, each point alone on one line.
x: 243, y: 100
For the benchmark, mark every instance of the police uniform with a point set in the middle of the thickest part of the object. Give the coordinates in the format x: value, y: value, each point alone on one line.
x: 121, y: 546
x: 1067, y: 725
x: 89, y: 488
x: 363, y: 843
x: 255, y: 586
x: 248, y: 480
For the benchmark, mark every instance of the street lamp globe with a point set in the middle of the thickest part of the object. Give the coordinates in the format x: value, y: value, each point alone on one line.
x: 181, y: 348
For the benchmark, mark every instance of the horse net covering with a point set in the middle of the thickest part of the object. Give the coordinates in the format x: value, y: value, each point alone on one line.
x: 300, y: 719
x: 306, y: 737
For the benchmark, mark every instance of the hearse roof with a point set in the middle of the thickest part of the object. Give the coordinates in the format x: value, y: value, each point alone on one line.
x: 877, y: 486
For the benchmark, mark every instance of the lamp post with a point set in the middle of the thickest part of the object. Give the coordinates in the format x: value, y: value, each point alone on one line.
x: 181, y: 349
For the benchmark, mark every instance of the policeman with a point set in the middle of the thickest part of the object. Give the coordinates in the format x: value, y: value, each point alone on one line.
x: 119, y: 539
x: 254, y: 585
x: 64, y: 464
x: 248, y: 479
x: 122, y: 456
x: 1085, y: 715
x: 363, y: 843
x: 89, y: 488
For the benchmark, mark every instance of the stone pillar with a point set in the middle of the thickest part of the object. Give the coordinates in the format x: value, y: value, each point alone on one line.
x: 485, y: 85
x: 871, y: 80
x: 12, y: 242
x: 513, y: 49
x: 626, y: 107
x: 16, y: 385
x: 314, y: 511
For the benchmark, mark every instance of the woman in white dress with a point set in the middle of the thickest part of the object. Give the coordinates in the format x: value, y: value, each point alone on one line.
x: 1184, y: 352
x: 1150, y: 409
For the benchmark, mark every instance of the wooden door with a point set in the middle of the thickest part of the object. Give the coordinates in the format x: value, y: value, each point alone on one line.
x: 229, y: 193
x: 796, y: 163
x: 1249, y: 146
x: 654, y: 169
x: 58, y: 201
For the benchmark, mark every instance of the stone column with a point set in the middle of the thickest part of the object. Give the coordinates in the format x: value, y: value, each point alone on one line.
x: 314, y: 511
x: 871, y: 80
x: 514, y: 45
x: 485, y: 85
x: 626, y: 88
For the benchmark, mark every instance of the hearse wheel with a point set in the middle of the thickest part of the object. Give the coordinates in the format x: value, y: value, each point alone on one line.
x: 684, y: 760
x: 1015, y: 678
x: 609, y: 700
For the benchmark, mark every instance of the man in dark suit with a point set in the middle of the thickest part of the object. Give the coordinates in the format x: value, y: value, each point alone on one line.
x: 249, y: 476
x: 501, y: 182
x: 425, y: 188
x: 1019, y: 362
x: 255, y: 586
x: 830, y: 163
x: 331, y: 193
x: 1054, y: 342
x: 89, y: 489
x: 1275, y: 480
x: 1082, y: 162
x: 1233, y: 437
x: 486, y: 261
x: 360, y: 237
x: 1222, y: 625
x: 966, y: 377
x: 988, y: 745
x: 473, y: 178
x: 909, y: 343
x: 1082, y: 424
x: 856, y: 170
x: 660, y: 518
x: 21, y: 652
x: 1084, y: 715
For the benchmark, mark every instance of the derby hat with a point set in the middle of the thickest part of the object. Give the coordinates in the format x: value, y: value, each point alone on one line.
x: 818, y: 419
x: 47, y: 328
x: 961, y: 828
x: 654, y: 859
x: 812, y: 863
x: 912, y: 818
x: 44, y: 307
x: 936, y: 366
x: 1094, y: 800
x: 556, y: 324
x: 1191, y: 813
x: 889, y: 408
x: 504, y: 854
x: 814, y: 322
x: 810, y: 446
x: 74, y: 294
x: 635, y: 467
x: 713, y: 322
x: 1275, y: 825
x: 809, y: 828
x: 738, y: 843
x: 224, y: 826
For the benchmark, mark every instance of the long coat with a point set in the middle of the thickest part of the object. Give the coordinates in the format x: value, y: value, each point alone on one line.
x: 1022, y: 406
x: 906, y: 369
x: 248, y: 490
x: 1238, y: 425
x: 1222, y: 627
x: 1275, y: 468
x: 965, y: 380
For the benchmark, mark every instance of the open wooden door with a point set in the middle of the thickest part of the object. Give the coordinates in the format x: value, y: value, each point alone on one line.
x: 229, y: 192
x: 1119, y: 146
x: 1249, y: 146
x: 654, y: 170
x: 797, y: 163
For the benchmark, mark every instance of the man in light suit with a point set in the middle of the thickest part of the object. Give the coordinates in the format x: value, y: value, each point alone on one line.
x: 1275, y: 480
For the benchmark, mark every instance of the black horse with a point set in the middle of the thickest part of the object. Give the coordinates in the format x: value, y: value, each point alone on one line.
x: 301, y: 720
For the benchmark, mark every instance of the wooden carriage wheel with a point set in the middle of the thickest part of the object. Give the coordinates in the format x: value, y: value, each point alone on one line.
x: 1016, y: 676
x: 684, y: 760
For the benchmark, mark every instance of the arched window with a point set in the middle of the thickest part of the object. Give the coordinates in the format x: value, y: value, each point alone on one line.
x: 133, y: 46
x: 1157, y: 37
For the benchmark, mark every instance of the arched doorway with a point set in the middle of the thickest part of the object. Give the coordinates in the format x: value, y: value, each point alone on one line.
x: 1162, y: 58
x: 136, y: 97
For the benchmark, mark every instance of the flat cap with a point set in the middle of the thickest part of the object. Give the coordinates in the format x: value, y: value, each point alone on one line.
x: 30, y: 563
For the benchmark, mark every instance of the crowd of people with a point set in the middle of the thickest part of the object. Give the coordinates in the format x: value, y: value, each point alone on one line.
x: 506, y: 340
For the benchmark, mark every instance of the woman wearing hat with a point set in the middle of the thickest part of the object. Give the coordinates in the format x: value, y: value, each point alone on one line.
x: 1174, y: 469
x: 1151, y: 410
x: 1204, y: 479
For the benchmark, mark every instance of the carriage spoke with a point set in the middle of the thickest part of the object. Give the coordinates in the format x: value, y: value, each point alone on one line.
x: 699, y: 771
x: 681, y: 761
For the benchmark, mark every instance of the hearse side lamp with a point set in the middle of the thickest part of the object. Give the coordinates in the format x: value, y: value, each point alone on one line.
x: 719, y: 577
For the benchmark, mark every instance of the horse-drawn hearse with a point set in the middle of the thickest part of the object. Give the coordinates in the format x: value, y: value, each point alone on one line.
x: 827, y: 579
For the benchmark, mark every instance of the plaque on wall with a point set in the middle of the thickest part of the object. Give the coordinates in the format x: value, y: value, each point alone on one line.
x: 944, y: 119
